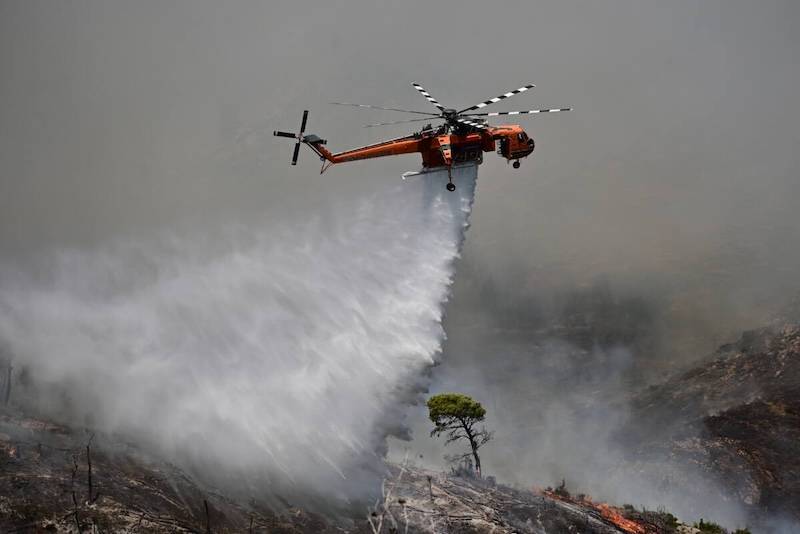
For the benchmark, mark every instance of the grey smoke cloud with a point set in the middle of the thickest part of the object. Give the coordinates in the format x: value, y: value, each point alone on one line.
x: 121, y: 118
x: 675, y: 180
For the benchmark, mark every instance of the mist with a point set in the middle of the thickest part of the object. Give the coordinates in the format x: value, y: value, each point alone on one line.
x: 275, y: 358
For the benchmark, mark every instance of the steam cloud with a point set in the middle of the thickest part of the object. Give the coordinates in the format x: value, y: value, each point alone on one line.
x: 285, y: 352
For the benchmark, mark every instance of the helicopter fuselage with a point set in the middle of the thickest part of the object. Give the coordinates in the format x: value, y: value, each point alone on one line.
x: 440, y: 148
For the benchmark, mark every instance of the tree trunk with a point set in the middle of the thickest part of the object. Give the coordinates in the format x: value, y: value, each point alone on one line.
x: 474, y: 447
x: 477, y: 458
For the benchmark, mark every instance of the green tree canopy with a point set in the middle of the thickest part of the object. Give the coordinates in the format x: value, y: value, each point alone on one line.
x: 456, y: 415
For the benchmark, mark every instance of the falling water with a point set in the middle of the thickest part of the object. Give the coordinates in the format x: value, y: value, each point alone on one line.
x: 284, y: 353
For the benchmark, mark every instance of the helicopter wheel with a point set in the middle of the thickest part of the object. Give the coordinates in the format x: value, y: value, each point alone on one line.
x: 516, y: 164
x: 451, y: 187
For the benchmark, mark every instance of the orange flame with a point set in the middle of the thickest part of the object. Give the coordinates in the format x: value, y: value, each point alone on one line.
x: 611, y: 515
x: 607, y: 512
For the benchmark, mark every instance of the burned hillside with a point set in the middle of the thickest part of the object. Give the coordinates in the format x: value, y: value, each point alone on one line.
x: 736, y: 417
x: 57, y: 479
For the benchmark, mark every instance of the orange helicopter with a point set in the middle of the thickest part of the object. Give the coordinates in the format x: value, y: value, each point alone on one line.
x: 461, y: 139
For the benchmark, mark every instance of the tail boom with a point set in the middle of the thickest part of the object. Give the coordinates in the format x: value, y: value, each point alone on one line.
x: 392, y: 147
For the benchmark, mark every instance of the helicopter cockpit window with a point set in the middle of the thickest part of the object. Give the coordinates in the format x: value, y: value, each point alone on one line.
x: 522, y: 136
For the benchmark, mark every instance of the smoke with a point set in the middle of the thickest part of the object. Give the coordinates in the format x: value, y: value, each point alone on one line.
x: 285, y: 352
x: 569, y: 421
x: 555, y: 374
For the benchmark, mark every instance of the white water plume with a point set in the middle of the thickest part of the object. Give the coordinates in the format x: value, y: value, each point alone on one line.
x: 286, y: 353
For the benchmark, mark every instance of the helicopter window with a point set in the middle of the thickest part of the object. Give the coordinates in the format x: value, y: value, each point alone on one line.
x: 504, y: 146
x: 522, y: 136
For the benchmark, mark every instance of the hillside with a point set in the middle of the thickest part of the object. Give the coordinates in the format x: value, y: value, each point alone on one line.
x: 736, y: 417
x: 56, y: 479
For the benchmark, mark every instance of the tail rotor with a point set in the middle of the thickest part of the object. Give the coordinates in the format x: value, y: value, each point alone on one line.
x: 298, y: 136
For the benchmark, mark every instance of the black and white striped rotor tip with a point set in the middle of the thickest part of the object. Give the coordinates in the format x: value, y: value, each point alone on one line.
x: 427, y: 96
x: 527, y: 112
x: 472, y: 123
x: 499, y: 98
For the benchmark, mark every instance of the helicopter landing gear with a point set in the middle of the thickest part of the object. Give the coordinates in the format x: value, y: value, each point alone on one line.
x: 450, y: 185
x: 516, y: 164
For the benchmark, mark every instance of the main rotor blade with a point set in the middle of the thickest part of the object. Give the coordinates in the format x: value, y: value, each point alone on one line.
x: 388, y: 109
x: 474, y: 124
x: 279, y: 133
x: 529, y: 112
x: 427, y: 95
x: 303, y: 124
x: 499, y: 98
x: 398, y: 122
x: 296, y: 152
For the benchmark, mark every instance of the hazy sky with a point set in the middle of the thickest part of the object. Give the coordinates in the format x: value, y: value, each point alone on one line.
x: 676, y: 177
x: 677, y: 169
x: 116, y: 115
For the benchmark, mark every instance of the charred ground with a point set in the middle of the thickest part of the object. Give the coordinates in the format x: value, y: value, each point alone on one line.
x: 56, y: 479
